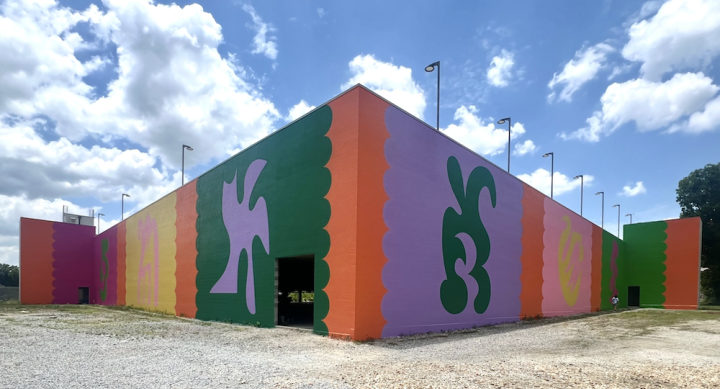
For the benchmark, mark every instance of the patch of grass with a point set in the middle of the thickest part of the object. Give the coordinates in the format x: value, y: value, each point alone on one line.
x: 645, y: 321
x: 709, y: 307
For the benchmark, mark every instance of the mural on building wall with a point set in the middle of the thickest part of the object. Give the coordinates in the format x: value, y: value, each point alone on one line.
x: 243, y: 225
x: 376, y: 197
x: 665, y: 262
x: 464, y: 239
x: 267, y: 202
x: 567, y: 270
x: 150, y: 256
x: 72, y: 254
x: 420, y: 193
x: 647, y: 267
x: 104, y: 270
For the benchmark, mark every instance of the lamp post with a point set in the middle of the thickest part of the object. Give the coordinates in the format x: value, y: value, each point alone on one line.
x: 618, y: 207
x: 122, y: 203
x: 552, y: 170
x: 501, y: 121
x: 582, y: 188
x: 98, y: 215
x: 602, y: 223
x: 430, y: 68
x: 183, y: 163
x: 630, y: 214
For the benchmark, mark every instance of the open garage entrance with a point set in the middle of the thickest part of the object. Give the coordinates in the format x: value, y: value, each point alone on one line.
x: 295, y: 291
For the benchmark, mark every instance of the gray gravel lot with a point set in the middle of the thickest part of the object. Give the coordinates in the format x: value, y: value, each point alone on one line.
x: 93, y: 347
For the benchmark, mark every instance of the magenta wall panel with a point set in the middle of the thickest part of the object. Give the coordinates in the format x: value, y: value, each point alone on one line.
x: 73, y: 255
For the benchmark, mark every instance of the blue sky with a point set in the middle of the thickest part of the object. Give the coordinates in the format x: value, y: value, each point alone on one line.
x: 97, y: 97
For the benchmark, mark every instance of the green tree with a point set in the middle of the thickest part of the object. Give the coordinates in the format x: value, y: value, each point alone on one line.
x: 699, y: 195
x: 9, y: 275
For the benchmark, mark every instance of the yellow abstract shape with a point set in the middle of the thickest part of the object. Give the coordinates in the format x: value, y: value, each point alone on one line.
x: 150, y: 275
x: 565, y: 267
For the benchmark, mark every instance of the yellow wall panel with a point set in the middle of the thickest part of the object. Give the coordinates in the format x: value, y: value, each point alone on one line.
x: 151, y: 256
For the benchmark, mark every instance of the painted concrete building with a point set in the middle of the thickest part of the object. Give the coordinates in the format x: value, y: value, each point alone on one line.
x: 360, y: 221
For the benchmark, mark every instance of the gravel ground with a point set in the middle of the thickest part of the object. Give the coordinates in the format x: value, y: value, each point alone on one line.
x: 92, y: 347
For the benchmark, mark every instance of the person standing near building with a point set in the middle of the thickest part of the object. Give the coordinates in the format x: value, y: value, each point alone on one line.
x: 615, y: 300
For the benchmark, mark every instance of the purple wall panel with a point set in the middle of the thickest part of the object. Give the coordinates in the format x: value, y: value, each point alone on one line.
x: 419, y: 190
x: 73, y: 262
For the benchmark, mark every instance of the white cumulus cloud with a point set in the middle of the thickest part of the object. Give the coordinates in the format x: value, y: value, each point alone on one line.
x: 482, y: 136
x: 394, y: 83
x: 299, y: 109
x: 540, y: 180
x: 583, y: 68
x: 651, y: 105
x: 524, y: 148
x: 500, y: 70
x: 264, y: 43
x: 631, y: 191
x: 682, y: 34
x: 62, y: 138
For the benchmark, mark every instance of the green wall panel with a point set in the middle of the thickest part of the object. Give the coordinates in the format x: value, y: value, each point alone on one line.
x: 293, y: 184
x: 645, y: 250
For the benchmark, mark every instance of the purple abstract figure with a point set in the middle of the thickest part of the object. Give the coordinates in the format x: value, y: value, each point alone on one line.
x: 148, y: 228
x: 242, y: 225
x: 614, y: 269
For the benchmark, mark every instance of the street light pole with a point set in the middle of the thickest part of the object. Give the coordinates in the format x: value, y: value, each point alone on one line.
x: 630, y: 214
x: 98, y: 216
x: 430, y: 68
x: 618, y: 207
x: 582, y: 188
x: 122, y: 203
x: 501, y: 121
x: 552, y: 170
x: 183, y: 163
x: 602, y: 223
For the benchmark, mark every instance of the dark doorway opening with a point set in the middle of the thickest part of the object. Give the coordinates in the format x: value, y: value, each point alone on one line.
x: 83, y: 295
x: 296, y: 291
x: 633, y: 296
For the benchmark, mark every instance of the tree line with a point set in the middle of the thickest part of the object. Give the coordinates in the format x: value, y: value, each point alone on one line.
x: 699, y: 195
x: 9, y: 275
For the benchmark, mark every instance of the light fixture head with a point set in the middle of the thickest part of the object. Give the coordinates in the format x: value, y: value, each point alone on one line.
x: 599, y: 193
x: 629, y: 214
x: 616, y: 205
x: 188, y: 147
x: 101, y: 214
x: 126, y: 195
x: 578, y: 176
x: 547, y: 155
x: 501, y: 121
x: 430, y: 68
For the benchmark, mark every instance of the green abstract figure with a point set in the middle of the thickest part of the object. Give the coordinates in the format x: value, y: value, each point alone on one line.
x: 464, y: 237
x: 104, y: 268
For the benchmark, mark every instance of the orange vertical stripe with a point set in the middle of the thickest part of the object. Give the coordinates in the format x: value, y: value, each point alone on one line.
x: 36, y: 261
x: 532, y: 254
x: 342, y: 227
x: 596, y: 283
x: 121, y: 257
x: 371, y: 227
x: 186, y: 252
x: 682, y: 266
